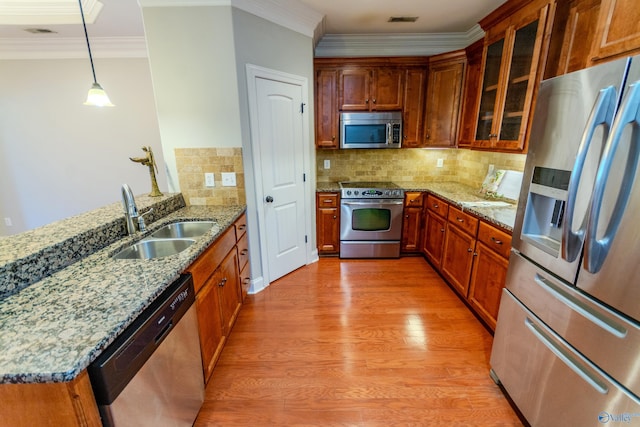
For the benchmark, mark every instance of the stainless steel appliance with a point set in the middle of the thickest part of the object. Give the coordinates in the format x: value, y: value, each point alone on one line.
x: 371, y: 130
x: 567, y: 343
x: 370, y: 219
x: 152, y: 374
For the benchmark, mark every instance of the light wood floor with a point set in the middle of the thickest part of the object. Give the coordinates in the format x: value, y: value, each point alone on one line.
x: 356, y: 343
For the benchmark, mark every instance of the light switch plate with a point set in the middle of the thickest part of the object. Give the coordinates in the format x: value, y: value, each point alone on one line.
x: 439, y: 163
x: 209, y: 180
x: 228, y: 179
x: 327, y: 164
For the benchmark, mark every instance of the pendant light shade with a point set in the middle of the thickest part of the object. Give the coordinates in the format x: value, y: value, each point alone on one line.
x: 97, y: 96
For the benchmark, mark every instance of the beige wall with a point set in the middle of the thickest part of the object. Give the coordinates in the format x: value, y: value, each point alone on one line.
x: 464, y: 166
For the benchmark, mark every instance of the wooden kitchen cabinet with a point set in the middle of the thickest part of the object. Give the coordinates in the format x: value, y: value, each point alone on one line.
x: 470, y: 94
x: 435, y: 225
x: 412, y: 221
x: 328, y: 223
x: 572, y: 37
x: 326, y: 110
x: 371, y: 88
x: 459, y: 243
x: 618, y: 30
x: 216, y: 280
x: 60, y: 404
x: 489, y: 272
x: 444, y: 90
x: 512, y: 69
x: 415, y: 88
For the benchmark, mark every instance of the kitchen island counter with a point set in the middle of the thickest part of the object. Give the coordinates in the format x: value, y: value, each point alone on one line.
x: 53, y: 329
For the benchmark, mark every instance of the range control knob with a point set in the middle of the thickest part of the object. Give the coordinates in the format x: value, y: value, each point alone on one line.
x: 348, y: 192
x: 356, y: 192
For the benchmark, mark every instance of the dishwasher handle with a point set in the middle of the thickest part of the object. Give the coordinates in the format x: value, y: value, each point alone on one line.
x: 117, y: 365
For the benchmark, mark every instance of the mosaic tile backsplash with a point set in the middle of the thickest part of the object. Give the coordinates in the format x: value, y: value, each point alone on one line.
x: 467, y: 167
x: 193, y: 163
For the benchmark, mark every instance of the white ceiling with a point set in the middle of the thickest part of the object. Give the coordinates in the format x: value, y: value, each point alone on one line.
x: 122, y: 19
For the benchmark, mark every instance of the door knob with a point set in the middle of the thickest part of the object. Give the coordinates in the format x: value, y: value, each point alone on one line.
x: 269, y: 199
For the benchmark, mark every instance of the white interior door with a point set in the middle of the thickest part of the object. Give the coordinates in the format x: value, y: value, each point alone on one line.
x: 278, y: 136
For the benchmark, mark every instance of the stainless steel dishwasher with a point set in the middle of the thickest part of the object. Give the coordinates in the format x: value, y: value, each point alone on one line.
x: 152, y: 373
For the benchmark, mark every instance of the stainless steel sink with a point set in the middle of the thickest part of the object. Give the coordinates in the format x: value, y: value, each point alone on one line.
x: 183, y: 229
x: 148, y: 249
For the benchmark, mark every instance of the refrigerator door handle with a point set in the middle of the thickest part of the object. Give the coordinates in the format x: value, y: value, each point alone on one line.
x: 609, y: 325
x: 565, y: 354
x: 601, y: 114
x: 596, y: 249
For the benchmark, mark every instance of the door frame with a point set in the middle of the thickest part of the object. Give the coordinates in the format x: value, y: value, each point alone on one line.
x: 255, y: 72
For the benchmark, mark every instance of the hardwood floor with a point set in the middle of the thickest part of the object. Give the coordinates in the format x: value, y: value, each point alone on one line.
x: 356, y: 343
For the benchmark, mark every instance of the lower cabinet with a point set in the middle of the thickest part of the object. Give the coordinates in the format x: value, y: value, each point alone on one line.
x: 472, y: 255
x: 412, y: 221
x: 216, y: 278
x: 328, y: 223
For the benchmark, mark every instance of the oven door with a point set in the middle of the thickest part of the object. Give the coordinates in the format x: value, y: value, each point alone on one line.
x: 371, y: 220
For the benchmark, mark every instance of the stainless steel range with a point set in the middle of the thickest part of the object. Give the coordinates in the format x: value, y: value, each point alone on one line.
x: 370, y: 219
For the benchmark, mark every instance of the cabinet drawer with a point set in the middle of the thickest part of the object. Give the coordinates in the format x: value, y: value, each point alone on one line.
x: 327, y: 200
x: 210, y: 259
x: 464, y: 221
x: 413, y: 199
x: 243, y: 251
x: 245, y: 280
x: 438, y: 206
x: 241, y: 226
x: 496, y: 239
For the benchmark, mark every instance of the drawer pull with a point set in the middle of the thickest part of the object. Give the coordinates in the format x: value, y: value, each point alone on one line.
x: 459, y: 219
x: 496, y: 241
x: 223, y: 282
x: 244, y: 252
x: 246, y: 280
x: 242, y: 227
x: 327, y: 201
x: 435, y: 205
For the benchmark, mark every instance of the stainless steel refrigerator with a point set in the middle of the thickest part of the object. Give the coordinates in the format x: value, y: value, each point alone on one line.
x: 567, y: 342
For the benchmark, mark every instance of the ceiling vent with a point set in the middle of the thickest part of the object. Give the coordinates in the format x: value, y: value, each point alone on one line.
x: 39, y: 31
x: 403, y: 19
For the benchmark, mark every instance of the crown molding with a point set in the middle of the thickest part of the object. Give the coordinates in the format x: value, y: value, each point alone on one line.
x: 47, y: 12
x: 76, y: 47
x: 354, y: 45
x: 290, y: 14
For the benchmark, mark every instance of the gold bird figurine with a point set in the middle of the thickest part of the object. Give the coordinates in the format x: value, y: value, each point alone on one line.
x: 151, y: 163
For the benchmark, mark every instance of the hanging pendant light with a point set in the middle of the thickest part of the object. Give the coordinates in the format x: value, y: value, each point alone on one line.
x: 96, y: 96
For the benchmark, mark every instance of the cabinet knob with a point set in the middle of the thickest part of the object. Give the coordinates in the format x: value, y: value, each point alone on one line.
x: 442, y: 230
x: 366, y: 100
x: 374, y: 100
x: 469, y: 250
x: 223, y: 282
x: 406, y: 216
x: 333, y: 137
x: 335, y: 217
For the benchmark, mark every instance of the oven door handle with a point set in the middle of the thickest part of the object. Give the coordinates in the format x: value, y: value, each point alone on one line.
x: 373, y: 202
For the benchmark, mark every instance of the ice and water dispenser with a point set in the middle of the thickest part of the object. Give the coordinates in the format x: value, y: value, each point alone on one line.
x: 542, y: 225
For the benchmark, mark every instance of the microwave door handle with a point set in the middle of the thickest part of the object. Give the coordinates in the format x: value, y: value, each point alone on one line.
x: 389, y: 133
x: 601, y: 114
x: 596, y: 250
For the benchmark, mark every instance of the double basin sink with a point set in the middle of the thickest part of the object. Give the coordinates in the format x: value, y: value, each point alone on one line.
x: 168, y: 240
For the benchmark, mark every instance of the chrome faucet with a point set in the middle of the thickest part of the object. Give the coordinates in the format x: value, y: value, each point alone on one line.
x: 130, y: 208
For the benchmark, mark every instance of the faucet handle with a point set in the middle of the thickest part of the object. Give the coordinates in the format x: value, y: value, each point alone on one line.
x: 141, y: 224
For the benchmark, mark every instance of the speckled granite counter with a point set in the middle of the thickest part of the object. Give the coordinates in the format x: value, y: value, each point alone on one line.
x: 53, y: 329
x: 453, y: 193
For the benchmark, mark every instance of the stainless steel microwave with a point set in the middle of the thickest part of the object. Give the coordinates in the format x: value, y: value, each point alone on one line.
x: 371, y: 130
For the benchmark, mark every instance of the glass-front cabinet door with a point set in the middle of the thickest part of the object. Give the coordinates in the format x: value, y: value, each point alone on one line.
x: 509, y: 82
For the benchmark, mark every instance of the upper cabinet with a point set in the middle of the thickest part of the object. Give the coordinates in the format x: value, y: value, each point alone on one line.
x: 415, y: 84
x: 618, y: 30
x: 326, y: 108
x: 369, y: 89
x: 444, y: 90
x: 515, y: 42
x: 470, y: 95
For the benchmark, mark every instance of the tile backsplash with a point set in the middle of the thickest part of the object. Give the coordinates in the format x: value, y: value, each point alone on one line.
x: 458, y: 165
x: 193, y: 163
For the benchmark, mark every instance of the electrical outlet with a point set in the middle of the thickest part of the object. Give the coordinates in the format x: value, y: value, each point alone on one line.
x: 209, y: 180
x: 327, y: 164
x: 8, y: 222
x: 228, y: 179
x: 439, y: 163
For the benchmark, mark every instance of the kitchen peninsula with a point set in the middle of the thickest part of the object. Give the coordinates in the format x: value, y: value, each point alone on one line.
x: 53, y: 324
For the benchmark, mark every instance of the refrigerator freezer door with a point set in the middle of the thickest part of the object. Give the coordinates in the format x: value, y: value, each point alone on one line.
x: 550, y: 382
x: 611, y: 266
x: 603, y: 336
x: 561, y: 123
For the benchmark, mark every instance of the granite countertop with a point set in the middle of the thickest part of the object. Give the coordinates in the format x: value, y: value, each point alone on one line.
x: 54, y: 328
x: 456, y: 194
